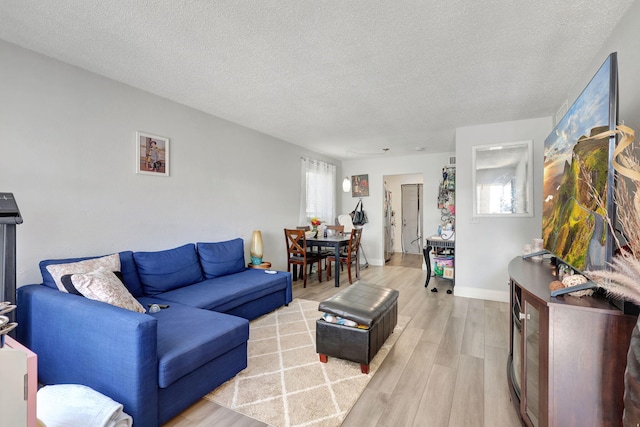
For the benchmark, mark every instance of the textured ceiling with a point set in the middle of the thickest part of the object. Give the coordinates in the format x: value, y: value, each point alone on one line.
x: 343, y: 78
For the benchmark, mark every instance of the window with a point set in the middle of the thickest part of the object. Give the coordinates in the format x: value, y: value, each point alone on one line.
x: 496, y: 198
x: 318, y: 191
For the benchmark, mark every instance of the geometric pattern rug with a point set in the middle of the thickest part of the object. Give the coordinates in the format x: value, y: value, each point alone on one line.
x: 285, y: 384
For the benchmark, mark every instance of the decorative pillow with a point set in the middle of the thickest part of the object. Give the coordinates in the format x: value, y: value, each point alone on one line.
x: 70, y: 287
x: 109, y: 262
x: 167, y: 270
x: 103, y: 285
x: 221, y: 258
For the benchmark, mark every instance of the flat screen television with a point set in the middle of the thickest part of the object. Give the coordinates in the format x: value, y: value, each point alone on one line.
x: 579, y: 177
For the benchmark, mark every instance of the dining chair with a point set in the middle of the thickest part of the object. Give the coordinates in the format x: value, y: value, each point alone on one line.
x: 346, y: 221
x: 351, y: 255
x: 318, y: 251
x: 338, y: 229
x: 297, y: 254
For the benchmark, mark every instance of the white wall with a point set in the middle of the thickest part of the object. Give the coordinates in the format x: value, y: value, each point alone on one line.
x: 485, y: 246
x: 67, y: 152
x: 428, y: 165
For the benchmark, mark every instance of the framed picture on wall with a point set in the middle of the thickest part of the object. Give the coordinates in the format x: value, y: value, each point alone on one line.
x: 152, y: 154
x: 359, y: 185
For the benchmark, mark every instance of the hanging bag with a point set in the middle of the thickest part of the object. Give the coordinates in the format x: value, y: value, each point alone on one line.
x: 358, y: 216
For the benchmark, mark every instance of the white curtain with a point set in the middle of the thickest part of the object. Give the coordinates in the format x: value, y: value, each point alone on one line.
x: 318, y: 191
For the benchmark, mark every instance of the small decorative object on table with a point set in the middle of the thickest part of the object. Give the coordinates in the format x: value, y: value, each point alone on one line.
x: 315, y: 222
x: 256, y: 248
x: 563, y: 270
x: 538, y: 246
x: 572, y: 280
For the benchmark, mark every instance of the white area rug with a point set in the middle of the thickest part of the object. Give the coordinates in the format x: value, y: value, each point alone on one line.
x: 285, y: 384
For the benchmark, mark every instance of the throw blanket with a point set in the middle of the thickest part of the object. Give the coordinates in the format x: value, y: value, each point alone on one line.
x: 72, y: 405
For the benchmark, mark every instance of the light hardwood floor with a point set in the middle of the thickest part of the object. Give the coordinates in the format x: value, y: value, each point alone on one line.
x: 448, y: 367
x: 405, y: 260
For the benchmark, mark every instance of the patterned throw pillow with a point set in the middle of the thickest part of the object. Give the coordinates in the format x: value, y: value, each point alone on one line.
x: 103, y: 285
x: 70, y: 287
x: 109, y: 262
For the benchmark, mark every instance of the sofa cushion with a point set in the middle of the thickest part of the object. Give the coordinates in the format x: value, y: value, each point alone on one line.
x: 163, y: 271
x: 103, y: 285
x: 190, y: 337
x: 127, y: 267
x: 130, y: 274
x: 57, y: 270
x: 221, y: 258
x: 227, y: 292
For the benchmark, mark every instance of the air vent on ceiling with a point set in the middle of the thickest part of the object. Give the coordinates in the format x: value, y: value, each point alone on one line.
x: 452, y: 160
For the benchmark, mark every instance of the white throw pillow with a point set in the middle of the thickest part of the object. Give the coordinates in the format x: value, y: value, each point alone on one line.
x: 103, y: 285
x: 109, y: 262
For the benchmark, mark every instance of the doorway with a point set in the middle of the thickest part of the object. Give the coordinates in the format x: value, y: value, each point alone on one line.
x: 393, y: 221
x: 411, y: 230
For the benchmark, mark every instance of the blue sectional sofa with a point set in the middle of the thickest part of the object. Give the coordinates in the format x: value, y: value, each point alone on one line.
x: 155, y: 364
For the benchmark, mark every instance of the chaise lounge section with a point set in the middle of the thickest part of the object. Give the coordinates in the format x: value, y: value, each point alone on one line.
x: 155, y: 364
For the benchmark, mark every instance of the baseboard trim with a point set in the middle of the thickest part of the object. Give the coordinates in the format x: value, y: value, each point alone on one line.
x: 479, y: 293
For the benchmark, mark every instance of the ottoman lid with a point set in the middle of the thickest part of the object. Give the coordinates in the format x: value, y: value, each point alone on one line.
x: 363, y: 303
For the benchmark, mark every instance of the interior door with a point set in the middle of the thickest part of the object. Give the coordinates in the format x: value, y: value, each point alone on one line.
x: 412, y: 218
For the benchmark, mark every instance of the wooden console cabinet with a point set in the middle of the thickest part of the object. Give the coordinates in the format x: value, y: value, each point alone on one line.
x: 567, y: 355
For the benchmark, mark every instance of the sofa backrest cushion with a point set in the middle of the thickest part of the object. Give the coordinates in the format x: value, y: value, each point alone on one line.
x: 221, y: 258
x: 163, y: 271
x: 127, y: 267
x: 130, y: 274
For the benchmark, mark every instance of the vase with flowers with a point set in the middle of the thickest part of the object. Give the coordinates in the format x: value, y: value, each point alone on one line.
x: 315, y: 223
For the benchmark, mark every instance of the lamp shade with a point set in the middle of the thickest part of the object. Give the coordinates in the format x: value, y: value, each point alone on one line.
x: 256, y: 247
x: 346, y: 185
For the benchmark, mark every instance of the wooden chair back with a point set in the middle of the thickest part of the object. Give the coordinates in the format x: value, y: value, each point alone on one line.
x: 296, y: 242
x: 338, y: 229
x: 350, y: 256
x: 297, y: 254
x: 303, y: 227
x: 354, y: 243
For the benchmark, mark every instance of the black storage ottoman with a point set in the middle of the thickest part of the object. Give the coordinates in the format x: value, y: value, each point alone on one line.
x: 375, y: 307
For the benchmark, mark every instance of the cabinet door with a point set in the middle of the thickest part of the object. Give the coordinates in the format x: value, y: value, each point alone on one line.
x: 516, y: 340
x: 531, y: 357
x: 13, y: 372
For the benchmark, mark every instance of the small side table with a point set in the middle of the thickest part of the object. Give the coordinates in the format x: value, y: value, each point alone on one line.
x: 437, y: 243
x: 264, y: 266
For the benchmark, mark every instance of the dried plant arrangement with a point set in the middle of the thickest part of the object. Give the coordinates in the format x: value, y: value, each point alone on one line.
x: 622, y: 279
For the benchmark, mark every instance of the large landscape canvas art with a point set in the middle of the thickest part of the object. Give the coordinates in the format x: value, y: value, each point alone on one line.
x: 576, y: 178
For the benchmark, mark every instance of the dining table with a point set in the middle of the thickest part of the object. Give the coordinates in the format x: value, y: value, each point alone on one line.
x: 335, y: 242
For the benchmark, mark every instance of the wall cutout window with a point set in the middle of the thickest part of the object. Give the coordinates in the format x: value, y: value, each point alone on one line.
x: 318, y: 191
x: 496, y: 198
x: 503, y: 179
